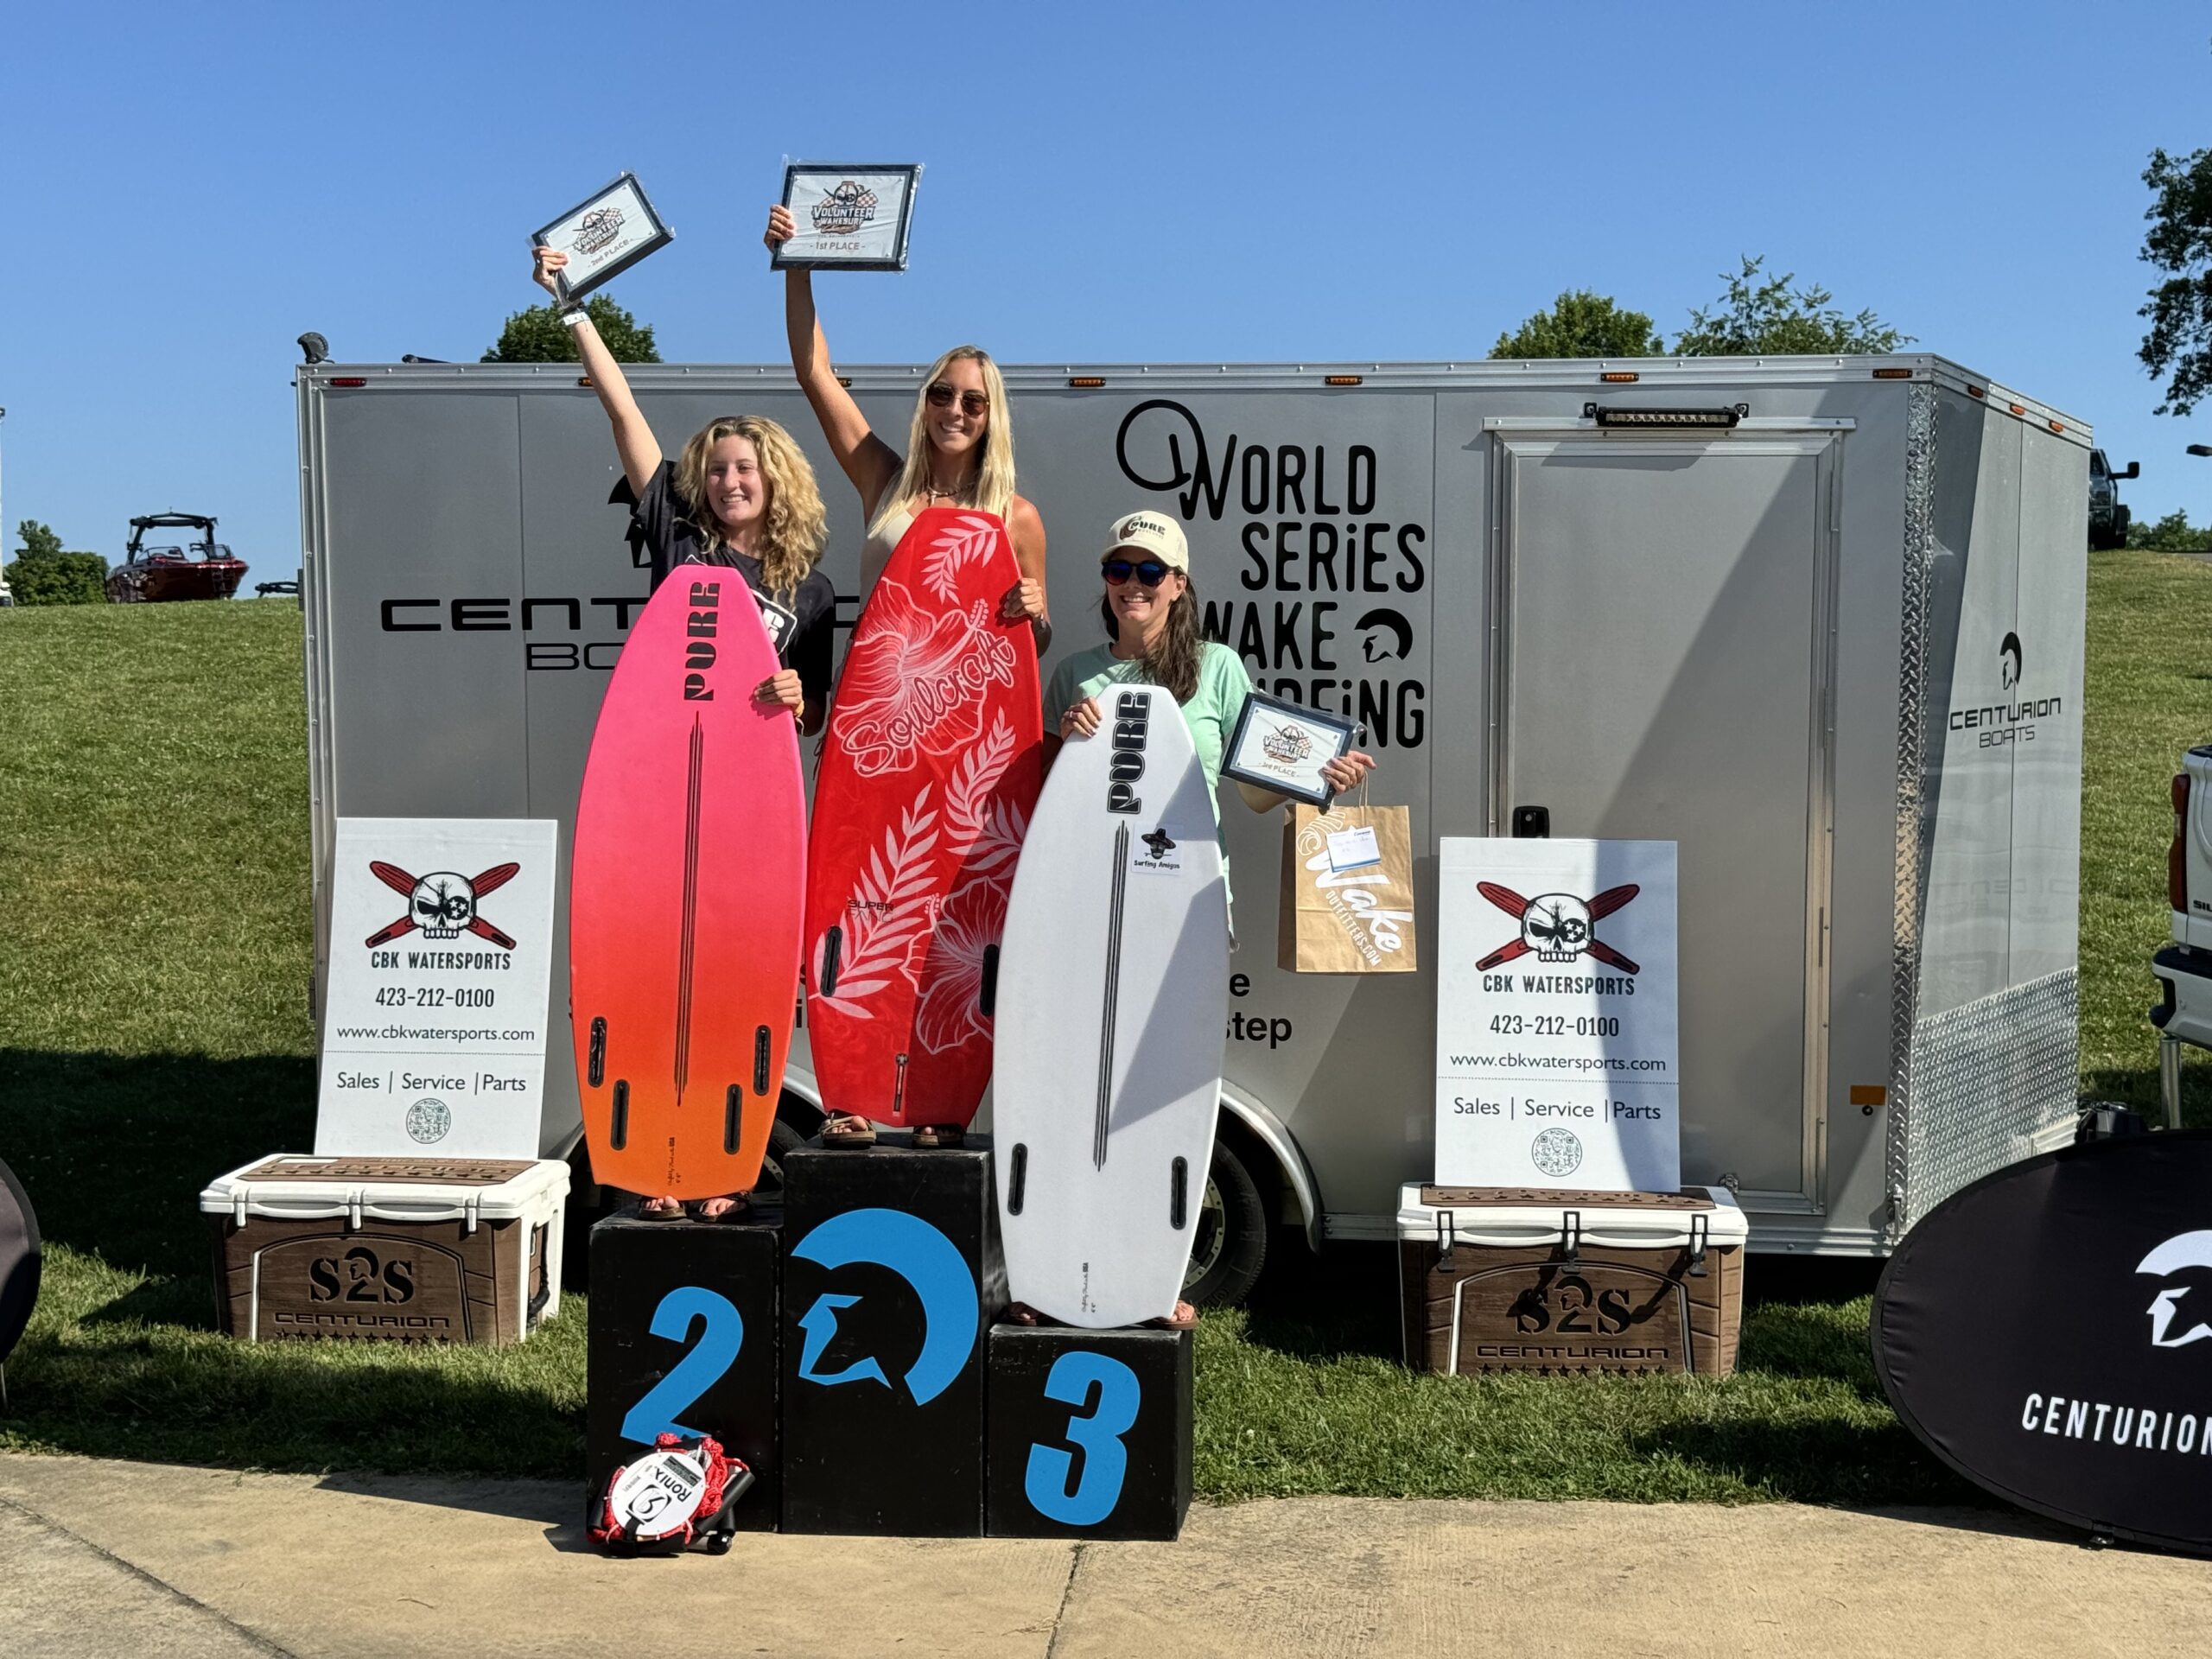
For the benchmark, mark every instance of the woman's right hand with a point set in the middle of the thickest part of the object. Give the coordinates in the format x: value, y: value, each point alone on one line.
x: 1080, y: 721
x: 547, y: 261
x: 781, y: 228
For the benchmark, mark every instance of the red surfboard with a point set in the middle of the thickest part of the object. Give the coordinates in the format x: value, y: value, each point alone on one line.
x: 685, y: 897
x: 930, y: 771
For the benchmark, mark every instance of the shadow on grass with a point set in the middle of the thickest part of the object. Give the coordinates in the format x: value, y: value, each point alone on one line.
x: 114, y: 1149
x: 2138, y: 1086
x: 1813, y: 1461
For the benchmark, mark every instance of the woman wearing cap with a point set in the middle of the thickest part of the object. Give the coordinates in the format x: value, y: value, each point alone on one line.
x: 1151, y: 611
x: 742, y: 494
x: 959, y: 446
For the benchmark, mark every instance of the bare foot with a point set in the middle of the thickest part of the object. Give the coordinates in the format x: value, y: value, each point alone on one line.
x: 716, y: 1209
x: 847, y: 1130
x: 663, y: 1209
x: 1183, y: 1319
x: 1020, y: 1313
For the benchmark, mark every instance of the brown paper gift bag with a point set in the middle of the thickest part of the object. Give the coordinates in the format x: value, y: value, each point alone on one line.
x: 1354, y: 921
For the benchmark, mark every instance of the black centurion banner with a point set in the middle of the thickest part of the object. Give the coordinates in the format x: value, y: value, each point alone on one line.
x: 19, y: 1261
x: 2048, y: 1332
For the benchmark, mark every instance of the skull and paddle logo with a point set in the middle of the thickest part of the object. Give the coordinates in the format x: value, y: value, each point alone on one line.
x: 442, y: 904
x: 1558, y: 926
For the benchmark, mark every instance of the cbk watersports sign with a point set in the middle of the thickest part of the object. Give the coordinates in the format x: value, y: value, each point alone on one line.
x: 2048, y: 1332
x: 1555, y: 1014
x: 441, y: 951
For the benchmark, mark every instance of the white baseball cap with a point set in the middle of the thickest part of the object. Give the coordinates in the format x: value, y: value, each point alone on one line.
x: 1155, y: 533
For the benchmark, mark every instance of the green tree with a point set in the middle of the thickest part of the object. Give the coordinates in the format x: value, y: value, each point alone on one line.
x: 1582, y: 324
x: 1765, y: 318
x: 537, y: 336
x: 2171, y: 534
x: 39, y: 542
x: 2179, y: 345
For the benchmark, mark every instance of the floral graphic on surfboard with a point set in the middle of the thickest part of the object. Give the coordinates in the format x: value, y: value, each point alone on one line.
x: 929, y: 773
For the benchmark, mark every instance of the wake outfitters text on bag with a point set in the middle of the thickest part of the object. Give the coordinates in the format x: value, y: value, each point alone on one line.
x: 1356, y: 919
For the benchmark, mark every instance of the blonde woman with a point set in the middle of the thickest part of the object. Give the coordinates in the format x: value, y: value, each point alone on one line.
x: 741, y: 493
x: 959, y: 446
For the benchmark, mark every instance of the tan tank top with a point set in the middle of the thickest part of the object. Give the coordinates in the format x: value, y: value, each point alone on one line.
x: 876, y: 552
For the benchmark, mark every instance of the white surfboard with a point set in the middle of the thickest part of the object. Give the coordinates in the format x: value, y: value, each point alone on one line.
x: 1112, y: 999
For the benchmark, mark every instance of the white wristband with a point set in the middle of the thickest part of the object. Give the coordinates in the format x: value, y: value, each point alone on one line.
x: 573, y: 316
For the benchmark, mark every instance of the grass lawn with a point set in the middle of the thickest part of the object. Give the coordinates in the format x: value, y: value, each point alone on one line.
x: 153, y: 1031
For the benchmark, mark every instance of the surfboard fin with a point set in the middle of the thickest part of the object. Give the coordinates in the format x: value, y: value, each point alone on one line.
x: 987, y: 993
x: 833, y: 944
x: 618, y: 1132
x: 1178, y: 1194
x: 760, y: 1061
x: 596, y: 1069
x: 1016, y: 1178
x: 734, y: 1114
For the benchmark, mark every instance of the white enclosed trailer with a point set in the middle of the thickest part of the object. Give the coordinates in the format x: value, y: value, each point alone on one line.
x: 1819, y: 620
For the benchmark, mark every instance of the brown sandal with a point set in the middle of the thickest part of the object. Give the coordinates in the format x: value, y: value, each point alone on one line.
x: 848, y: 1133
x: 933, y: 1136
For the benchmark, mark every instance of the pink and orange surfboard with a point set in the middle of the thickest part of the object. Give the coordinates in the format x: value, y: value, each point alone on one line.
x: 685, y: 897
x: 927, y: 780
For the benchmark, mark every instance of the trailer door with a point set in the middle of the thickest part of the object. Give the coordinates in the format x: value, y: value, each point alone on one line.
x: 1662, y: 673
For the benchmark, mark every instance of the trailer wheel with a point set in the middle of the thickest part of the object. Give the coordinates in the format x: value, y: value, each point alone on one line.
x: 1231, y: 1245
x: 783, y: 1139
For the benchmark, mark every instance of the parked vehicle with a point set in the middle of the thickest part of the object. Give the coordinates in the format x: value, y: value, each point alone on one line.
x: 1761, y: 608
x: 2108, y: 519
x: 152, y: 575
x: 7, y: 597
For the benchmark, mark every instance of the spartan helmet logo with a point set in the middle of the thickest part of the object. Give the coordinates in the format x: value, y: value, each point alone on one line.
x: 2177, y: 1255
x: 442, y: 904
x: 2008, y: 661
x: 1556, y: 926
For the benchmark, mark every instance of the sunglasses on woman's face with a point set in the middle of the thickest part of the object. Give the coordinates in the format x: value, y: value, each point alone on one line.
x: 1151, y: 573
x: 972, y: 404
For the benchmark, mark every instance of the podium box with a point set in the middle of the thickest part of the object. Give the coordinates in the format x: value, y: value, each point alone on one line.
x: 1090, y: 1431
x: 892, y: 1272
x: 683, y: 1338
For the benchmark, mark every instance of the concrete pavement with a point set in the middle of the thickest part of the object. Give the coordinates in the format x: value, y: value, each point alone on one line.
x: 99, y: 1558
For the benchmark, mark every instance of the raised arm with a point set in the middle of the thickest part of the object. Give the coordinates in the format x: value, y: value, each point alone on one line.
x: 869, y: 462
x: 633, y: 440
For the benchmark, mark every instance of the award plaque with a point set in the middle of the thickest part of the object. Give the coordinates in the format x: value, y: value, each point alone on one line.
x: 848, y: 218
x: 603, y: 236
x: 1283, y: 746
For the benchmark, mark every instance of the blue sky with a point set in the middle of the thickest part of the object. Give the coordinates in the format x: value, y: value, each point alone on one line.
x: 191, y: 187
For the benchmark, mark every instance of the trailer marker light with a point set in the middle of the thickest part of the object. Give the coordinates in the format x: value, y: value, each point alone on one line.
x: 1086, y: 380
x: 1724, y: 417
x: 583, y: 380
x: 844, y: 379
x: 1975, y: 392
x: 2058, y: 426
x: 1620, y: 376
x: 1893, y: 374
x: 2018, y: 409
x: 350, y: 380
x: 1344, y: 379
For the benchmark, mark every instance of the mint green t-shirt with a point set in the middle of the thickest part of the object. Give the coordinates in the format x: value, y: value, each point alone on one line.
x: 1211, y: 713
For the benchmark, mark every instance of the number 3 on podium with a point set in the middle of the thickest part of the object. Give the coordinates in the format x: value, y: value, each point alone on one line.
x: 1097, y: 1433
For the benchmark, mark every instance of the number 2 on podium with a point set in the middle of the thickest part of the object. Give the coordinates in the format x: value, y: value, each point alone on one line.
x: 697, y: 1371
x: 1097, y: 1433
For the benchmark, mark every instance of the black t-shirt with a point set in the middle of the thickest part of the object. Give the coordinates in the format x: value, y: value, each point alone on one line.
x: 802, y: 624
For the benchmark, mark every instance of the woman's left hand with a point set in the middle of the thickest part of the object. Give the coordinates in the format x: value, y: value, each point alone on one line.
x: 782, y: 687
x: 1024, y: 599
x: 1347, y: 771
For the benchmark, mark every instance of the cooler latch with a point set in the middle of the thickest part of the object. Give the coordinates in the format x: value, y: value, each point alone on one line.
x: 353, y: 1210
x: 468, y: 1210
x: 1570, y: 1234
x: 1700, y: 1228
x: 1446, y: 1235
x: 237, y: 1207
